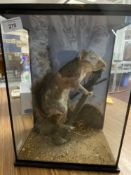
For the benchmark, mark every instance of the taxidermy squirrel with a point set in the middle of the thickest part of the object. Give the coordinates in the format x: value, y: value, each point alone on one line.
x: 50, y: 95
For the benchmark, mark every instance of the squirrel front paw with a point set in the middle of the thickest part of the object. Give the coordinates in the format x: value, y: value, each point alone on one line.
x: 90, y: 93
x: 84, y: 90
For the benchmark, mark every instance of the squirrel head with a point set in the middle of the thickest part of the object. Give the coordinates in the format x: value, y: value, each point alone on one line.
x: 95, y: 60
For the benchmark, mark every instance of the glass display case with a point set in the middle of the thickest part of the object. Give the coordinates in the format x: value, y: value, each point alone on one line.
x: 68, y: 79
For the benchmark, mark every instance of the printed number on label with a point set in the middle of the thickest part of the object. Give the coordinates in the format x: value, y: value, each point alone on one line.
x: 11, y: 26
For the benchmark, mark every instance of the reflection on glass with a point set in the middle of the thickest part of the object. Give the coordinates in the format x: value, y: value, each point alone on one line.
x: 119, y: 89
x: 97, y: 1
x: 16, y: 53
x: 80, y: 90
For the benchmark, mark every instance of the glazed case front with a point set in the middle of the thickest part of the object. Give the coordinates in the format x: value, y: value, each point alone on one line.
x: 68, y: 73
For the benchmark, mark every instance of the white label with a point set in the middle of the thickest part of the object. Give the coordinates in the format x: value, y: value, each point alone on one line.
x: 12, y: 24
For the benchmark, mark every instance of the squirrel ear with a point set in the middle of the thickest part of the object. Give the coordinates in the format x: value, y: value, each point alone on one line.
x: 83, y: 54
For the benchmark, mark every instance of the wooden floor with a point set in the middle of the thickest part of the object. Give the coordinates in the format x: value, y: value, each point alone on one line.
x: 7, y: 154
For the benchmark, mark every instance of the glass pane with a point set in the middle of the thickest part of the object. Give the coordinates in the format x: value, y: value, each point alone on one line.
x: 98, y: 1
x: 119, y: 89
x: 16, y: 53
x: 80, y: 86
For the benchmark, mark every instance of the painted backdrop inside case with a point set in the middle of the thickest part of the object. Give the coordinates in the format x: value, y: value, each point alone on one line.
x: 65, y: 62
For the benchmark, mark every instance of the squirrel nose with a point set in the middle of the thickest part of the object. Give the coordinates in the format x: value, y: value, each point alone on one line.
x: 102, y: 64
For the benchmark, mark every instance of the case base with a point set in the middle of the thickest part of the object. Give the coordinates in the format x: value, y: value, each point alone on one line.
x: 68, y: 166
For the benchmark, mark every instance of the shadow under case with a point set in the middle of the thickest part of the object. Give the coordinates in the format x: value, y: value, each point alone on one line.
x: 68, y: 83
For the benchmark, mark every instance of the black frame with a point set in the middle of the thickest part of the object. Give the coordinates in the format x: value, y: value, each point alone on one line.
x: 90, y: 9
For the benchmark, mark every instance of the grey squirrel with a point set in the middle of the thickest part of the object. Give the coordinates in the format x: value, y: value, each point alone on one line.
x: 50, y: 94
